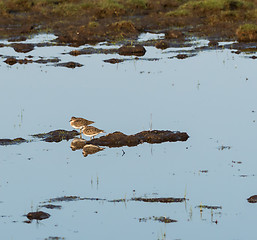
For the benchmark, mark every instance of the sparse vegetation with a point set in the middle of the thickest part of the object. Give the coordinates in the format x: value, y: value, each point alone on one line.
x: 70, y: 16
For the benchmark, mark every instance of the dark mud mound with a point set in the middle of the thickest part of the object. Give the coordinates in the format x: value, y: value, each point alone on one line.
x: 15, y: 141
x: 38, y: 215
x: 22, y: 47
x: 57, y: 135
x: 159, y: 200
x: 128, y: 50
x: 252, y: 199
x: 119, y: 139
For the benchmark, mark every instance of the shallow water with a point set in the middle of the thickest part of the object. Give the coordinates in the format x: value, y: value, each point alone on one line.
x: 211, y: 96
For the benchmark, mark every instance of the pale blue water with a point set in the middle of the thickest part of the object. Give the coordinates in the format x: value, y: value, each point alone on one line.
x: 210, y: 96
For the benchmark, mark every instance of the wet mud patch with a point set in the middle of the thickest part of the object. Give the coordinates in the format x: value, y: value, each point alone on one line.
x: 69, y: 65
x: 5, y: 142
x: 47, y: 60
x: 51, y: 206
x: 158, y: 219
x: 119, y: 139
x: 56, y: 135
x: 91, y: 50
x: 159, y: 200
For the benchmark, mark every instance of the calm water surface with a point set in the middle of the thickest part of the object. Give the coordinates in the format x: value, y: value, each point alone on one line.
x: 211, y: 96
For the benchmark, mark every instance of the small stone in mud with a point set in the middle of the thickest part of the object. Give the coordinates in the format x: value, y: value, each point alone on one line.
x: 40, y: 215
x: 22, y: 47
x: 127, y: 50
x: 114, y: 60
x: 11, y: 61
x: 252, y: 199
x: 69, y: 65
x: 162, y: 44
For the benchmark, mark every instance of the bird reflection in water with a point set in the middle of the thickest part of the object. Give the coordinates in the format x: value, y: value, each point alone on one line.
x: 91, y: 149
x: 77, y: 143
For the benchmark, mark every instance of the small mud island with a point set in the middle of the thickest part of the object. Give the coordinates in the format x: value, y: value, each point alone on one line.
x: 77, y: 22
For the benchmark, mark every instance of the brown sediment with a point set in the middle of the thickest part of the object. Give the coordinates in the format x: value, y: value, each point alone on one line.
x: 119, y: 139
x: 40, y: 215
x: 15, y: 141
x: 160, y: 200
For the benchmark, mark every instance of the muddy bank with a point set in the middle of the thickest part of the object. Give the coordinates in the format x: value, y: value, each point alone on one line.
x: 116, y: 139
x: 119, y: 139
x: 78, y: 22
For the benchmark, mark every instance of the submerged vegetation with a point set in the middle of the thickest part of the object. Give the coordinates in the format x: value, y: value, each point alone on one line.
x: 116, y: 19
